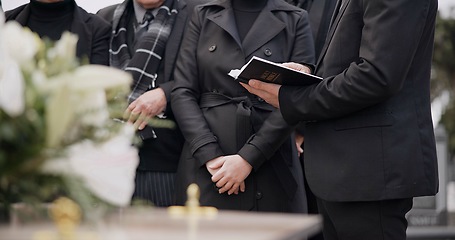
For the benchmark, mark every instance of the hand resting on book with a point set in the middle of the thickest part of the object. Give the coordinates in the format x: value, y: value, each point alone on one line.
x: 269, y: 91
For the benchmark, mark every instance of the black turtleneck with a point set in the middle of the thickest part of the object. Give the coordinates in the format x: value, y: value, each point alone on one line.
x: 246, y: 12
x: 51, y: 19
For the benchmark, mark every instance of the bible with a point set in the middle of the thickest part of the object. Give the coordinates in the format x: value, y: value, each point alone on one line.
x: 267, y: 71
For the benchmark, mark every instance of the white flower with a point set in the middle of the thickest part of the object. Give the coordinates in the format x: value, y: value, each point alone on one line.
x: 84, y: 90
x: 62, y: 57
x: 21, y: 43
x: 92, y: 106
x: 2, y: 17
x: 39, y: 80
x: 65, y: 48
x: 12, y: 99
x: 90, y: 83
x: 108, y: 170
x: 99, y: 77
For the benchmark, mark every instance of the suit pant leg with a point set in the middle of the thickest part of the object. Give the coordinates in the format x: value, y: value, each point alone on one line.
x: 155, y: 187
x: 373, y: 220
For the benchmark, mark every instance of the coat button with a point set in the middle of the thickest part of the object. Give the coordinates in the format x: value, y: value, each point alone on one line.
x: 212, y: 48
x: 258, y: 195
x: 268, y: 52
x: 260, y: 99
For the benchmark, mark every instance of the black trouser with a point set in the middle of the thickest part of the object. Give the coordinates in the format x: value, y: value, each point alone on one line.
x: 155, y: 187
x: 375, y: 220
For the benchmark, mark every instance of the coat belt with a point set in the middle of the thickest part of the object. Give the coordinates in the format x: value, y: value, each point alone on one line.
x: 245, y: 117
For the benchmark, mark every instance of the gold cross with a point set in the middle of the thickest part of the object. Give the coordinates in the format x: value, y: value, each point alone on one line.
x: 192, y: 206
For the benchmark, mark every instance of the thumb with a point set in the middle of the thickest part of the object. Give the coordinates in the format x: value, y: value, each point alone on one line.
x: 215, y: 163
x: 255, y: 83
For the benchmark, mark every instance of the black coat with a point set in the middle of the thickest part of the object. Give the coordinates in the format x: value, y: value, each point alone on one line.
x: 369, y: 134
x: 218, y: 116
x: 92, y: 31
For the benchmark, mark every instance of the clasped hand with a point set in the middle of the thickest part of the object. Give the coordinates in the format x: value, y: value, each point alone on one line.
x: 229, y: 173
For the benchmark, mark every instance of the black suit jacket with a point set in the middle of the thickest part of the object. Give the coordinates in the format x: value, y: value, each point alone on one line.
x: 369, y: 132
x: 93, y: 32
x: 320, y: 13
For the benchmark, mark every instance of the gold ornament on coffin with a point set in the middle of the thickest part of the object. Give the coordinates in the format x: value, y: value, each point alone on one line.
x: 67, y: 216
x: 192, y: 212
x: 192, y: 206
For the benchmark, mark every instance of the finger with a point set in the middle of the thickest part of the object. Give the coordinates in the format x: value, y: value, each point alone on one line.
x: 144, y: 123
x: 217, y: 176
x: 129, y: 109
x: 250, y: 89
x: 140, y: 119
x: 267, y: 91
x: 245, y: 86
x: 211, y: 171
x: 256, y: 87
x: 133, y: 117
x: 300, y: 150
x: 242, y: 186
x: 234, y: 189
x: 225, y: 188
x: 293, y: 65
x: 268, y: 87
x: 216, y: 163
x: 126, y: 114
x: 221, y: 183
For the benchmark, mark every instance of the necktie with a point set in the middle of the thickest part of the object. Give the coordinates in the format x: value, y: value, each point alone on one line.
x: 143, y: 26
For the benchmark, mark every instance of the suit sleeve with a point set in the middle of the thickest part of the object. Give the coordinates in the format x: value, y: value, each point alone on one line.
x: 389, y: 36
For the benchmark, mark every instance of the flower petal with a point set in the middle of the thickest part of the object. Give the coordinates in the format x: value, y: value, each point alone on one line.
x: 12, y: 86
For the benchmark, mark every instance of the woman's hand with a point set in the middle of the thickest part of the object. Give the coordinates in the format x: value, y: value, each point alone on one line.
x: 232, y: 174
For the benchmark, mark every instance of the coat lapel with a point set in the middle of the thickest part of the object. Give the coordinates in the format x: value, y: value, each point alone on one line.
x: 258, y: 34
x: 333, y: 25
x: 263, y: 30
x: 225, y: 19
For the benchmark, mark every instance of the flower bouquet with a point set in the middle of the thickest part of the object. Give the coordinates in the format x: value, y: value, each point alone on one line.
x: 57, y: 133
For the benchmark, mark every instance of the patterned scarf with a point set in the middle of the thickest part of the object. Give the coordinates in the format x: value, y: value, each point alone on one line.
x: 144, y: 63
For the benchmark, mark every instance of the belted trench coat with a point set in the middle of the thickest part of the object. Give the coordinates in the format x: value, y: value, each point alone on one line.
x: 219, y: 117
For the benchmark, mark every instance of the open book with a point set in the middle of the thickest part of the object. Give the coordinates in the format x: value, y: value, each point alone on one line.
x: 267, y: 71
